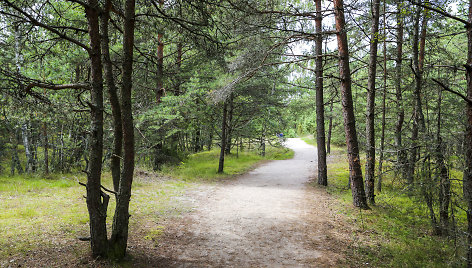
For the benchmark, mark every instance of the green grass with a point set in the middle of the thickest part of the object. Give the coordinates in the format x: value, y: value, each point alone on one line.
x: 397, y: 231
x: 204, y: 165
x: 47, y: 212
x: 40, y: 212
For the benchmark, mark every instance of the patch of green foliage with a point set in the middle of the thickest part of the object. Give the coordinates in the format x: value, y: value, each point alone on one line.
x: 204, y: 165
x: 396, y: 232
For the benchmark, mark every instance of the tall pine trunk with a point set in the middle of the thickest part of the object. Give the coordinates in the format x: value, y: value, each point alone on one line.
x: 115, y: 162
x: 384, y: 97
x: 401, y: 157
x: 418, y: 117
x: 355, y: 171
x: 119, y: 236
x: 370, y: 114
x: 320, y: 124
x: 467, y: 177
x: 160, y: 63
x: 97, y: 201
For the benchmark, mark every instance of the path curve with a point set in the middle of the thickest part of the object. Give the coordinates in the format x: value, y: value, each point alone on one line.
x: 268, y: 217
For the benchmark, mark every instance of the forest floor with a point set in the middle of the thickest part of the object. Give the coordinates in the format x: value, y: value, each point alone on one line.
x: 271, y: 216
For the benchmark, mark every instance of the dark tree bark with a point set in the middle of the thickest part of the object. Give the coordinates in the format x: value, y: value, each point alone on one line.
x: 179, y: 66
x: 97, y: 201
x: 384, y: 97
x: 160, y: 63
x: 401, y: 157
x: 355, y: 171
x: 46, y: 148
x: 229, y: 125
x: 223, y: 139
x: 370, y: 114
x: 115, y: 162
x: 330, y: 128
x: 418, y: 117
x: 29, y: 167
x: 15, y: 160
x: 320, y: 124
x: 467, y: 177
x: 119, y: 236
x: 444, y: 182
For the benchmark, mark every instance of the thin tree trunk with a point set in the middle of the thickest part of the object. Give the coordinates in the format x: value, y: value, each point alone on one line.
x: 223, y: 139
x: 27, y: 146
x: 229, y: 127
x: 179, y: 64
x: 15, y: 160
x: 384, y: 96
x: 418, y: 117
x: 355, y: 174
x: 61, y: 150
x: 401, y: 161
x: 115, y: 162
x: 160, y: 63
x: 119, y: 236
x: 46, y: 148
x: 370, y: 114
x: 97, y: 201
x: 444, y: 182
x: 320, y: 124
x: 330, y: 128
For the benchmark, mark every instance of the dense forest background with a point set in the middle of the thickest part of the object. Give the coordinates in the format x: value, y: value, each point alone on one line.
x: 92, y: 86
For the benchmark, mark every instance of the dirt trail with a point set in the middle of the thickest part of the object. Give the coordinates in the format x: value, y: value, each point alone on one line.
x: 268, y: 217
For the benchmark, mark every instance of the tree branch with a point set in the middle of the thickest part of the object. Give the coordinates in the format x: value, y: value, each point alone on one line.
x: 35, y: 22
x: 56, y: 87
x: 446, y: 88
x: 467, y: 24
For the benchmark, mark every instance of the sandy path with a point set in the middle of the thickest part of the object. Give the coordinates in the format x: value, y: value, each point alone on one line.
x: 268, y: 217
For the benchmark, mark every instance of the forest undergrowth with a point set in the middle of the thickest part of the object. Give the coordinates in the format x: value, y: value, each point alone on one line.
x: 42, y: 216
x: 396, y: 231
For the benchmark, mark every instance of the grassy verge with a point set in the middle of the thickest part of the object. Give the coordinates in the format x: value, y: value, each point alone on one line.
x: 397, y: 231
x: 40, y: 213
x: 46, y: 213
x: 204, y: 165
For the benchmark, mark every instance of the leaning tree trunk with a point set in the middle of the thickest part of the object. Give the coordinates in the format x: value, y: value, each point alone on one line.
x: 355, y: 171
x: 370, y: 114
x: 223, y: 139
x: 119, y: 236
x: 320, y: 124
x: 97, y: 201
x: 115, y: 163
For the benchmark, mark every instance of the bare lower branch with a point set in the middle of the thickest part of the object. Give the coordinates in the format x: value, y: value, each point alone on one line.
x: 57, y: 87
x: 446, y: 88
x: 467, y: 24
